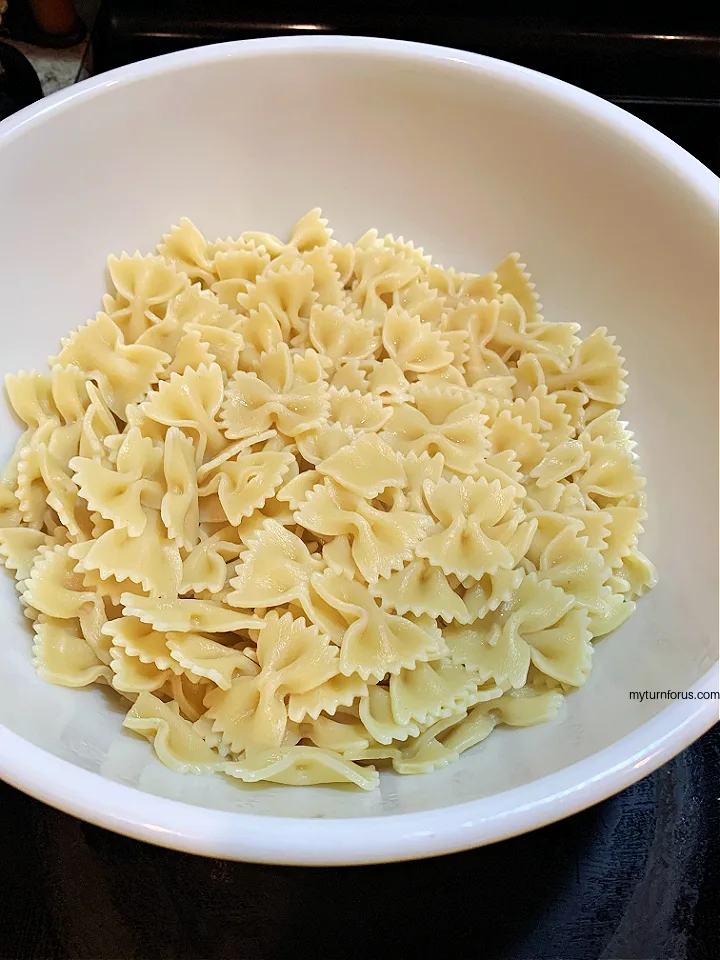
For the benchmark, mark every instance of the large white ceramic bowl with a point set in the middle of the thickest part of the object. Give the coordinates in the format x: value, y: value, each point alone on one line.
x: 471, y: 158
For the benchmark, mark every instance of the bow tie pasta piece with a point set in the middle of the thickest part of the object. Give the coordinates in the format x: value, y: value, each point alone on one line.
x: 337, y: 554
x: 244, y: 485
x: 636, y: 576
x: 145, y: 286
x: 526, y: 707
x: 311, y: 231
x: 502, y: 467
x: 123, y: 372
x: 418, y: 469
x: 202, y: 656
x: 317, y: 445
x: 624, y: 529
x: 435, y: 690
x: 130, y: 676
x: 482, y: 527
x: 510, y: 433
x: 187, y: 250
x: 412, y: 344
x: 403, y: 248
x: 295, y: 491
x: 362, y: 413
x: 179, y: 508
x: 188, y: 615
x: 222, y: 346
x: 375, y: 642
x: 337, y: 735
x: 421, y: 588
x: 120, y: 494
x: 206, y: 567
x: 448, y: 738
x: 107, y: 588
x: 441, y: 422
x: 376, y: 715
x: 250, y: 240
x: 61, y: 396
x: 190, y: 351
x: 237, y: 270
x: 379, y: 271
x: 301, y: 766
x: 327, y: 282
x: 151, y: 559
x: 197, y: 306
x: 276, y: 569
x: 540, y: 624
x: 568, y: 562
x: 572, y: 564
x: 92, y: 619
x: 340, y: 336
x: 176, y: 742
x: 190, y: 401
x: 596, y: 524
x: 62, y: 655
x: 548, y: 414
x: 30, y: 396
x: 456, y: 342
x: 611, y: 473
x: 283, y: 400
x: 477, y: 319
x: 596, y: 369
x: 381, y: 542
x: 19, y: 548
x: 328, y: 697
x: 558, y: 340
x: 261, y: 441
x: 293, y: 658
x: 514, y: 336
x: 261, y: 334
x: 562, y: 461
x: 188, y: 693
x: 31, y: 491
x: 482, y: 596
x: 287, y: 291
x: 309, y: 366
x: 366, y: 467
x: 139, y: 640
x: 610, y: 429
x: 44, y: 483
x: 421, y: 300
x: 514, y: 279
x: 387, y: 382
x: 460, y: 288
x: 426, y: 753
x: 98, y: 423
x: 54, y: 587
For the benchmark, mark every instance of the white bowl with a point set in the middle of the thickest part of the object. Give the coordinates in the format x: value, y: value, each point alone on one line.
x: 471, y: 158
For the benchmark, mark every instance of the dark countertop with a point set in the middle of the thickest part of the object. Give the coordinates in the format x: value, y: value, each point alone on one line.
x: 636, y: 877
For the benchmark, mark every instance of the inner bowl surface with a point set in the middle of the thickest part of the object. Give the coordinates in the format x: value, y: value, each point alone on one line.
x: 470, y: 158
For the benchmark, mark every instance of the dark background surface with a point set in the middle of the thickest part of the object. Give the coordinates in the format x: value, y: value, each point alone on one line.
x: 634, y: 878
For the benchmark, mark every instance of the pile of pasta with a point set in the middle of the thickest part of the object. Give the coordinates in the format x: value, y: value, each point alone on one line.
x: 312, y: 506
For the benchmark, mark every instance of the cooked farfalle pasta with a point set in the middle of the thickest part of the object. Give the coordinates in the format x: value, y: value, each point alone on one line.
x: 314, y: 507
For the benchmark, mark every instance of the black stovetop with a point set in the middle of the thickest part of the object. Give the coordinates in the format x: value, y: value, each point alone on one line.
x: 636, y: 877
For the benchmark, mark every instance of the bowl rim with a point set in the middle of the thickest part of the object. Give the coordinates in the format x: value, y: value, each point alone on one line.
x: 363, y: 840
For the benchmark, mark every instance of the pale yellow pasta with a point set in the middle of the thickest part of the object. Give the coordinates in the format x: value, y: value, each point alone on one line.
x: 313, y: 506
